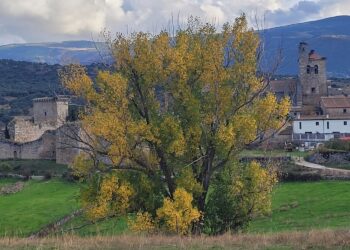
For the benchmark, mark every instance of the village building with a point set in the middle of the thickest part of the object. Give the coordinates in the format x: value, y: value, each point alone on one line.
x: 318, y: 112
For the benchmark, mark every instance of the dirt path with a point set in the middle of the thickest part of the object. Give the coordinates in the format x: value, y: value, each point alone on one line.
x: 302, y: 162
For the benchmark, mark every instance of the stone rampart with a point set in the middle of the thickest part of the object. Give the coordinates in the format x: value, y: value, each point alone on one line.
x: 43, y: 148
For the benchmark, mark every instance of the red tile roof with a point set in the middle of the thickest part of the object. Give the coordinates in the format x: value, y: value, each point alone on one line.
x: 314, y: 56
x: 335, y: 102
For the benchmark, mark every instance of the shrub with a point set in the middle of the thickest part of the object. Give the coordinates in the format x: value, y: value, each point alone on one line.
x: 47, y: 176
x: 337, y: 144
x: 142, y: 223
x: 179, y: 214
x: 5, y: 167
x: 240, y: 192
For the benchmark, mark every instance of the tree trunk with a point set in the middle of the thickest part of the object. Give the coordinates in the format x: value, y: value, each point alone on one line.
x: 205, y: 180
x: 166, y: 171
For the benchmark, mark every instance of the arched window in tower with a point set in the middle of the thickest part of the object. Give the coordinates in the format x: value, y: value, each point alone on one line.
x: 308, y: 69
x: 316, y: 69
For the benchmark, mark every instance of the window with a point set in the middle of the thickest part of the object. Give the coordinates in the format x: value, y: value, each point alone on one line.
x: 317, y: 123
x: 313, y: 90
x: 308, y: 69
x: 327, y: 125
x: 344, y: 110
x: 299, y: 125
x: 45, y: 113
x: 316, y: 69
x: 345, y: 123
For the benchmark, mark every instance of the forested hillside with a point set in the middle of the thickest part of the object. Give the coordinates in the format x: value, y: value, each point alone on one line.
x: 20, y: 82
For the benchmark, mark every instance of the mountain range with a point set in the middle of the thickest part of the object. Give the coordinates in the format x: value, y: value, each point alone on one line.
x: 330, y: 38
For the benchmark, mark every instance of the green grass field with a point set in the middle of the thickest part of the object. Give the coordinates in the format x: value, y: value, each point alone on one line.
x: 38, y: 204
x: 295, y: 206
x: 114, y: 226
x: 309, y: 205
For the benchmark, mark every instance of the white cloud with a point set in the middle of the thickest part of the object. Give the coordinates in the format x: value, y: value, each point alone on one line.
x: 55, y: 20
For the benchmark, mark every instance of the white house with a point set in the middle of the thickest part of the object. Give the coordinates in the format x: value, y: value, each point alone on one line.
x: 320, y: 128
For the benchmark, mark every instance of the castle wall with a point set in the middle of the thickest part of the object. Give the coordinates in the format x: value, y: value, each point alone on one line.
x: 8, y: 149
x: 67, y: 148
x: 24, y: 130
x: 43, y: 148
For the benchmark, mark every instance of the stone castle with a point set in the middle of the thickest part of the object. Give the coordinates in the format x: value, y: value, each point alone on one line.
x: 45, y: 135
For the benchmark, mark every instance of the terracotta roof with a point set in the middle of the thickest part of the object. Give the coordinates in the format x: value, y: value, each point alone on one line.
x: 335, y: 102
x: 314, y: 56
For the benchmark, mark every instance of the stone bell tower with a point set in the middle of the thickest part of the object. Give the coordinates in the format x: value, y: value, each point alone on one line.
x: 312, y: 77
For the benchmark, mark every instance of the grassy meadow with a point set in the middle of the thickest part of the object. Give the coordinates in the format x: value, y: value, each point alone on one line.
x: 295, y: 206
x: 305, y: 215
x: 38, y: 204
x: 306, y: 206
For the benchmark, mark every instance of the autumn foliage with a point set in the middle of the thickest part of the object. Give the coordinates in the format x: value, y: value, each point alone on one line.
x: 174, y: 114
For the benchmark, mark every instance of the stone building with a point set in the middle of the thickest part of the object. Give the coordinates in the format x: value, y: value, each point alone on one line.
x: 306, y: 91
x: 312, y: 78
x: 45, y: 135
x: 335, y: 105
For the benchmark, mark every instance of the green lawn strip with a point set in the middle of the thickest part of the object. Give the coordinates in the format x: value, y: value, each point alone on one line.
x: 337, y: 165
x: 113, y: 226
x: 303, y: 206
x: 40, y: 203
x: 272, y: 153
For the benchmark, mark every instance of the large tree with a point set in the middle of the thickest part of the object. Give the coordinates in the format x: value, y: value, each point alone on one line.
x: 178, y: 108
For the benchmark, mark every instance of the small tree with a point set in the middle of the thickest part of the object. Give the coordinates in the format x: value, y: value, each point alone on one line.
x: 240, y: 192
x: 177, y: 105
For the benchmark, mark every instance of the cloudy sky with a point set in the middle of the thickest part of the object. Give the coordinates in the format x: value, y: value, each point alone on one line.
x: 57, y: 20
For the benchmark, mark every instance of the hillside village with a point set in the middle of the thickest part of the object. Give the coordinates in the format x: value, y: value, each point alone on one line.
x: 319, y: 112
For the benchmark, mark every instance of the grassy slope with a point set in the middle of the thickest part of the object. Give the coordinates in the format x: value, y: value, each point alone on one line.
x: 296, y: 206
x: 323, y: 204
x: 114, y: 226
x: 316, y: 205
x: 272, y: 153
x: 38, y: 204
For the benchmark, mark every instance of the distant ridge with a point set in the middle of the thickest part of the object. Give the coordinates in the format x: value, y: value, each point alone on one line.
x: 84, y: 52
x: 330, y: 37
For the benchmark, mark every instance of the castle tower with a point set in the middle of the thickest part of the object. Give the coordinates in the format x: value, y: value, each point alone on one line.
x: 312, y: 77
x: 50, y: 110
